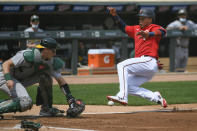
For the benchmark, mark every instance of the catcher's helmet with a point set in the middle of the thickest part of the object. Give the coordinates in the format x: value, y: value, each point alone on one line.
x: 34, y: 18
x: 182, y: 12
x: 147, y: 13
x: 48, y: 43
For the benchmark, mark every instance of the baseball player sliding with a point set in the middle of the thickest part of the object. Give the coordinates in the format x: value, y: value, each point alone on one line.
x: 134, y: 72
x: 36, y: 65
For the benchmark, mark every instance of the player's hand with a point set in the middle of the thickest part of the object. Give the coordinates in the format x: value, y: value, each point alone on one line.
x: 10, y: 84
x: 112, y: 11
x: 143, y: 34
x: 184, y: 27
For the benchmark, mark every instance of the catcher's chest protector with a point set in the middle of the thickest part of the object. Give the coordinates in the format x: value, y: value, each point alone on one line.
x: 34, y: 56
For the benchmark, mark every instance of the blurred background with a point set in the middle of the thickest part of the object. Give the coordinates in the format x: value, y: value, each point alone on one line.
x: 81, y: 25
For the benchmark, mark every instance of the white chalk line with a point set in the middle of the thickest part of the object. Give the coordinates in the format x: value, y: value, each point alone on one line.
x: 132, y: 112
x: 18, y: 126
x: 73, y: 129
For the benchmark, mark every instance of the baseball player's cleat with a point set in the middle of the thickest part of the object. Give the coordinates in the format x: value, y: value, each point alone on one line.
x: 117, y: 99
x: 162, y: 100
x: 51, y: 112
x: 164, y: 103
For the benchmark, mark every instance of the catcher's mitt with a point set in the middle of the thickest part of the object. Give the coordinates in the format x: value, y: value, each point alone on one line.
x: 30, y: 125
x: 75, y: 108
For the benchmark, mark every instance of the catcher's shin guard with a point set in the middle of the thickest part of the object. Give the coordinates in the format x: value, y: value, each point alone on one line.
x: 8, y: 106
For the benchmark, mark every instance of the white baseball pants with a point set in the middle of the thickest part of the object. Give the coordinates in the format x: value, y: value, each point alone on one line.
x: 133, y: 73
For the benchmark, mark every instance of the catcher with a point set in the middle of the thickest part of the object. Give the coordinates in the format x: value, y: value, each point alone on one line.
x: 36, y: 65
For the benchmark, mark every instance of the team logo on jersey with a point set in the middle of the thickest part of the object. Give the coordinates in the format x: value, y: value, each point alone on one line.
x: 41, y: 67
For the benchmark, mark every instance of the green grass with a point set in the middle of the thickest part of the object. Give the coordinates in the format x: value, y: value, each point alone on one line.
x: 95, y: 94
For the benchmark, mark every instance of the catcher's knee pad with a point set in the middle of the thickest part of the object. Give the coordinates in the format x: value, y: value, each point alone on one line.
x: 25, y: 103
x: 8, y: 106
x: 16, y: 104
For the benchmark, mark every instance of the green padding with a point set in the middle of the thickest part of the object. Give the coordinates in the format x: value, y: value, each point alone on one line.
x: 58, y: 63
x: 9, y: 106
x: 29, y: 56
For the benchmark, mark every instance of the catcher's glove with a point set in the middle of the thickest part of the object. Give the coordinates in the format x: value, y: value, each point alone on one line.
x: 76, y: 107
x: 30, y: 125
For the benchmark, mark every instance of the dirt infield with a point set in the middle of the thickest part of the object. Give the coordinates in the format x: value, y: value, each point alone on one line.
x: 181, y: 117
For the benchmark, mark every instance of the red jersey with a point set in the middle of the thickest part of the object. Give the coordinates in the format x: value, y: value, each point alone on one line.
x: 147, y: 46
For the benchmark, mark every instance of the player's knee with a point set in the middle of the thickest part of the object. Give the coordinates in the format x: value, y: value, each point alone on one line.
x: 26, y: 103
x: 4, y: 88
x: 119, y: 65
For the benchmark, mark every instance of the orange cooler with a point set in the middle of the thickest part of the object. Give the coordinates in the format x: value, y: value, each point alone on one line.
x: 101, y: 57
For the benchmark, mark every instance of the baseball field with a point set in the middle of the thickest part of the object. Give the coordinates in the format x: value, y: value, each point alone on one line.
x: 140, y: 115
